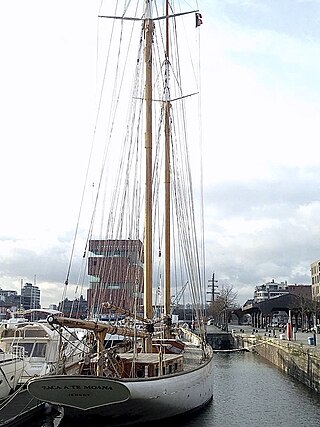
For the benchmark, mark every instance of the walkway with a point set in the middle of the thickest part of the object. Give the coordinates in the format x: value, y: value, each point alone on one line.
x: 299, y: 337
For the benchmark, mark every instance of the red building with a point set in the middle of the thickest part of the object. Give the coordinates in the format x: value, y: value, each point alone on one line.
x: 304, y: 291
x: 115, y: 268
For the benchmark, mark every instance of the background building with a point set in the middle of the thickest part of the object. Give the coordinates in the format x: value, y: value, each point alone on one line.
x: 10, y: 302
x: 315, y: 280
x: 77, y: 308
x: 6, y: 295
x: 30, y: 296
x: 115, y: 268
x: 304, y: 291
x: 270, y: 290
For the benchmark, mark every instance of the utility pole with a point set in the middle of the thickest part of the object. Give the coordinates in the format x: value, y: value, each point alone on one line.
x: 212, y: 281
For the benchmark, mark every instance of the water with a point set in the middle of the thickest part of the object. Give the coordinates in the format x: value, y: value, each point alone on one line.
x: 250, y: 392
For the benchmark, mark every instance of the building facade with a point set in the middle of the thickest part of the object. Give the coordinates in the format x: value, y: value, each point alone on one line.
x: 304, y: 291
x: 270, y: 290
x: 77, y: 308
x: 315, y: 280
x: 115, y: 269
x: 30, y: 296
x: 10, y: 302
x: 6, y: 295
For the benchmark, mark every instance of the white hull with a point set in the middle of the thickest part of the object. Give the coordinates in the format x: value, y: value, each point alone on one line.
x: 127, y: 401
x: 10, y: 373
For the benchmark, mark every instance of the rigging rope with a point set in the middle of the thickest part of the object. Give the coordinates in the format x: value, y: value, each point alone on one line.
x: 126, y: 205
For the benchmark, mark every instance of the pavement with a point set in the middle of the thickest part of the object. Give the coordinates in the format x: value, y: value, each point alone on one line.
x: 298, y: 337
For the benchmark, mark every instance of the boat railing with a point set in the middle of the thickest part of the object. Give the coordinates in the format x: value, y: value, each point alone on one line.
x: 189, y: 336
x: 18, y: 351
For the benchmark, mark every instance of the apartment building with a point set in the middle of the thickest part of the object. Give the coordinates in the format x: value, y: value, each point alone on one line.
x: 315, y: 280
x: 270, y: 290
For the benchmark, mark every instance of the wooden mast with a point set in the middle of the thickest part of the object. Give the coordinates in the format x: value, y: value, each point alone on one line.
x: 167, y: 106
x: 148, y: 34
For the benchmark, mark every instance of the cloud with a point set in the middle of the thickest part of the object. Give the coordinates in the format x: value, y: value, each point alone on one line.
x: 264, y: 229
x: 260, y: 100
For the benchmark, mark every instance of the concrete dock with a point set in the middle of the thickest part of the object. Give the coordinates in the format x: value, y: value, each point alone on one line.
x: 295, y: 356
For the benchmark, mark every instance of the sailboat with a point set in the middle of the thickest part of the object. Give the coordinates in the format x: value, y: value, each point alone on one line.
x: 158, y: 369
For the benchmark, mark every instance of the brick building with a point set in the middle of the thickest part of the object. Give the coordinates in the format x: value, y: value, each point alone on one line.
x: 115, y: 268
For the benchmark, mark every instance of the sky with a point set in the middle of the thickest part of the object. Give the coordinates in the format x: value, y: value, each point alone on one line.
x: 260, y: 65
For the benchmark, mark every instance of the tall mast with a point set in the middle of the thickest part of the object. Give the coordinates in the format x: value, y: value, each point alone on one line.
x: 167, y: 106
x: 148, y: 34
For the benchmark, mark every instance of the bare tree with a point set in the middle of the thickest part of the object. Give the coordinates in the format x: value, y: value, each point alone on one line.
x: 224, y: 304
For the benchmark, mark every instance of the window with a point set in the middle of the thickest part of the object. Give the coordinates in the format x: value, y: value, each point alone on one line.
x: 39, y: 350
x: 27, y: 348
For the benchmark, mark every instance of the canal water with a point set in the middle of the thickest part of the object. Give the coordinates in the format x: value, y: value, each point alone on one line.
x: 248, y: 392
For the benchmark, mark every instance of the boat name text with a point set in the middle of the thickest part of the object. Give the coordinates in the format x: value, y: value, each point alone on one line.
x: 77, y: 387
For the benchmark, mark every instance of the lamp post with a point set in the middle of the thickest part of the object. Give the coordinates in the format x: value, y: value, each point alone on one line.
x: 212, y: 281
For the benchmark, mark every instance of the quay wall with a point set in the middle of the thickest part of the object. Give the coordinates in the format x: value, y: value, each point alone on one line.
x: 221, y: 340
x: 300, y: 361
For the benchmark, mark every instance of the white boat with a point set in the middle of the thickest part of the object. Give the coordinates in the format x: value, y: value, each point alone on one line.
x: 40, y: 346
x: 159, y: 370
x: 11, y: 367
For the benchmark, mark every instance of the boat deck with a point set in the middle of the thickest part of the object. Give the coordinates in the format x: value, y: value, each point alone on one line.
x: 149, y: 357
x: 193, y: 356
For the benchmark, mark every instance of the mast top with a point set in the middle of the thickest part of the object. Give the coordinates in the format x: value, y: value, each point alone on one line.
x: 148, y: 11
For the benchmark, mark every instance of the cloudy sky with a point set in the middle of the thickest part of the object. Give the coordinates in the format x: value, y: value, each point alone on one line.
x: 261, y: 130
